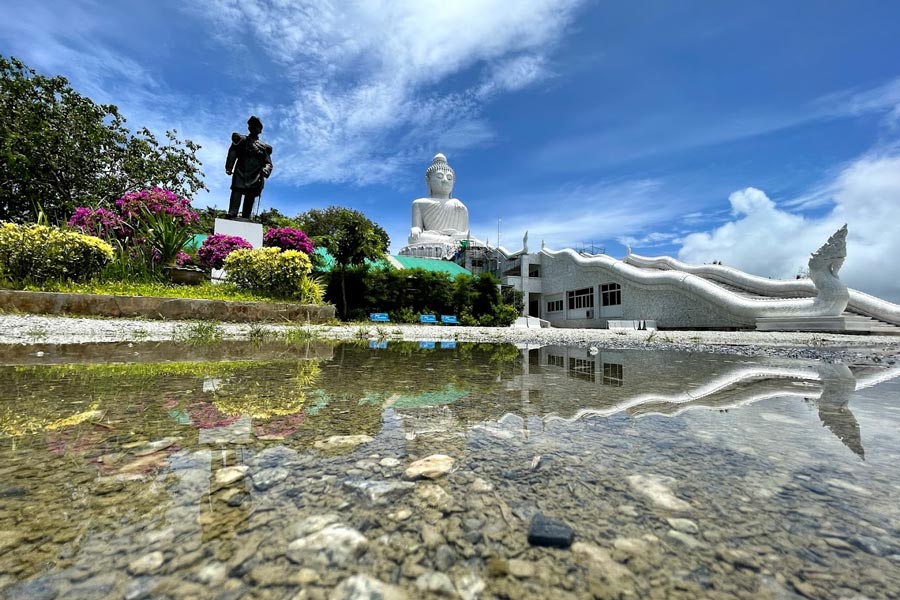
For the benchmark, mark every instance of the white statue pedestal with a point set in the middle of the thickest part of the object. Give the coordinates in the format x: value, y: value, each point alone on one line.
x: 252, y: 232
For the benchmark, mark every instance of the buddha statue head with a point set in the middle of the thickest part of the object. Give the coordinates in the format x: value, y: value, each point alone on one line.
x: 439, y: 178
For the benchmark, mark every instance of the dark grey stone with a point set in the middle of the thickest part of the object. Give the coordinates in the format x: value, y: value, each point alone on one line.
x: 552, y: 533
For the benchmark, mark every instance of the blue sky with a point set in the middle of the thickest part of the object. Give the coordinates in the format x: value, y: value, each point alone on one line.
x: 740, y: 132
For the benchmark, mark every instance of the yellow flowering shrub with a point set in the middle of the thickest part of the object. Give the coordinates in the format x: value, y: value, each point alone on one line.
x: 38, y: 253
x: 273, y: 272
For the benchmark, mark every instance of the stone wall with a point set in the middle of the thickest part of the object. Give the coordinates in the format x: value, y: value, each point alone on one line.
x: 101, y: 305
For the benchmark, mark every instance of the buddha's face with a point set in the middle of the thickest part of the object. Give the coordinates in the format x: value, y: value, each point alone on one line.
x: 440, y: 183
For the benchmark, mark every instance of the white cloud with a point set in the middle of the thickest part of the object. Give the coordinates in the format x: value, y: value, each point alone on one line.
x: 767, y: 240
x: 367, y: 75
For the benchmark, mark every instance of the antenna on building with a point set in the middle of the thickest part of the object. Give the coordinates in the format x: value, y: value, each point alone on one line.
x: 498, y: 232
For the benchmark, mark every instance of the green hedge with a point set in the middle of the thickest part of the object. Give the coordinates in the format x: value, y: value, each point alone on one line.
x: 35, y: 254
x: 406, y: 294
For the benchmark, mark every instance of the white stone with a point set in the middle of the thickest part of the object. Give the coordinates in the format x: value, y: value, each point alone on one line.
x: 657, y: 489
x: 684, y: 526
x: 228, y: 475
x: 146, y: 564
x: 342, y: 441
x: 429, y: 467
x: 363, y: 587
x: 335, y: 545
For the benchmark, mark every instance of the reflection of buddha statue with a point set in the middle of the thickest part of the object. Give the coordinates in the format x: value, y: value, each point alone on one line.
x: 439, y: 218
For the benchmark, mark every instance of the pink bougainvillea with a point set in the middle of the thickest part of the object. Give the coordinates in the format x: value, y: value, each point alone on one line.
x: 156, y: 200
x: 216, y: 247
x: 99, y: 222
x: 288, y: 238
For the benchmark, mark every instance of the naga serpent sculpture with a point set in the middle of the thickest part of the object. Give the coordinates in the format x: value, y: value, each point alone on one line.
x: 830, y: 300
x: 820, y: 273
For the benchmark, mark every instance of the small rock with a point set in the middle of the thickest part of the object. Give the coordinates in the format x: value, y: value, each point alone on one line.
x: 212, y: 573
x: 342, y: 441
x: 402, y: 514
x: 335, y: 545
x: 738, y: 558
x: 522, y: 569
x: 631, y: 546
x: 363, y: 587
x: 599, y: 559
x: 628, y: 510
x: 549, y: 532
x: 434, y: 496
x: 683, y: 538
x: 228, y: 475
x: 389, y: 462
x: 444, y: 557
x: 155, y: 446
x: 480, y: 486
x: 684, y: 526
x: 838, y: 544
x: 146, y: 564
x: 439, y: 583
x: 657, y: 489
x: 470, y: 586
x: 379, y: 492
x: 268, y: 478
x: 430, y: 467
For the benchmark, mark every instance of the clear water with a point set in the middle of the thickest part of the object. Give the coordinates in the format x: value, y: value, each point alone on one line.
x: 124, y: 474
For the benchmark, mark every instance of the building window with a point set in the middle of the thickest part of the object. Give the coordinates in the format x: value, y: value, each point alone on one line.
x: 555, y: 361
x: 555, y: 305
x: 534, y: 270
x: 583, y: 298
x: 581, y: 368
x: 610, y: 294
x: 612, y: 374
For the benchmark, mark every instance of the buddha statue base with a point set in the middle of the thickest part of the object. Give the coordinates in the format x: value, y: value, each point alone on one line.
x: 441, y: 250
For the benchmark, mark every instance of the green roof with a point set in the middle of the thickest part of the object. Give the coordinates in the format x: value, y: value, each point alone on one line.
x: 328, y: 261
x: 404, y: 262
x: 431, y: 264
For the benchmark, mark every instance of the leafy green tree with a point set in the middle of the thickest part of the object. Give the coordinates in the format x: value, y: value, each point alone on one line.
x: 348, y: 235
x: 59, y: 150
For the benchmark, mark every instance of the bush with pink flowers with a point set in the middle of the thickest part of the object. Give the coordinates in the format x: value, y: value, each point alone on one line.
x: 288, y: 238
x: 132, y: 206
x: 99, y: 222
x: 215, y: 248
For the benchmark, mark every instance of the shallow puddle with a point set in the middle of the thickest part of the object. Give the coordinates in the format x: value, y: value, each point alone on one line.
x: 290, y: 471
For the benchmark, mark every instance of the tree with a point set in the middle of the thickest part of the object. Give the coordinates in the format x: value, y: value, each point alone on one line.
x: 59, y: 150
x: 348, y: 235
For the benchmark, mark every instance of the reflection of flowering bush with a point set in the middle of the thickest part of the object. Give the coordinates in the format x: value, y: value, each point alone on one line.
x: 99, y: 222
x: 157, y: 201
x: 288, y: 238
x: 216, y: 247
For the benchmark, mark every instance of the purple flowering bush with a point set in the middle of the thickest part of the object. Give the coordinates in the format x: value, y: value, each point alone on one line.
x: 98, y: 222
x: 215, y: 248
x: 132, y: 206
x: 288, y: 238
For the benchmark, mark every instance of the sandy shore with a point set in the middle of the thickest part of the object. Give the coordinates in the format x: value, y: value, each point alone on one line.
x: 31, y: 329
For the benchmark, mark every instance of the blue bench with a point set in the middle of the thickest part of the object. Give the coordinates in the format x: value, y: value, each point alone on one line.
x: 427, y: 345
x: 379, y: 317
x: 449, y: 320
x: 448, y: 345
x: 428, y: 319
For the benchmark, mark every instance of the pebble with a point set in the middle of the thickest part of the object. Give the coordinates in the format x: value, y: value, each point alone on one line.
x: 549, y: 532
x: 379, y: 492
x: 335, y: 546
x: 342, y: 441
x: 684, y: 526
x: 229, y: 475
x: 430, y: 467
x: 389, y: 462
x: 146, y: 564
x: 438, y: 583
x: 658, y: 489
x: 268, y: 478
x: 363, y: 587
x: 522, y: 569
x: 688, y: 540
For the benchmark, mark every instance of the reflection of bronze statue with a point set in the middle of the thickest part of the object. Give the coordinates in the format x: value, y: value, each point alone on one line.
x: 254, y: 165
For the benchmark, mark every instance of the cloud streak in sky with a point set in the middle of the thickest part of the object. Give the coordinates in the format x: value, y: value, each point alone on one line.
x: 366, y: 95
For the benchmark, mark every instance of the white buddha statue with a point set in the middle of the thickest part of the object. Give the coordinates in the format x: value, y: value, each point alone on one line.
x: 439, y: 218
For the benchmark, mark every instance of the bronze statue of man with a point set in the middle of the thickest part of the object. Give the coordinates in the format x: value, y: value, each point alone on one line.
x: 249, y: 163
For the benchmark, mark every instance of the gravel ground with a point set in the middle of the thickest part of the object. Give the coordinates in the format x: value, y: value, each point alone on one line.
x: 30, y: 329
